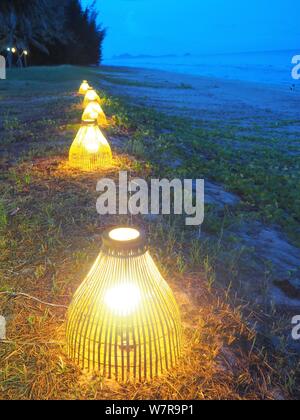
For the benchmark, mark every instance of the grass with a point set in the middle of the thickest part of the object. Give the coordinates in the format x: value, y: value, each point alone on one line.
x: 127, y: 82
x: 267, y: 178
x: 50, y: 235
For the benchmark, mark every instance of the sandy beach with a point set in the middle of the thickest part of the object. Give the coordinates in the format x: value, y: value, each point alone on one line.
x: 208, y: 98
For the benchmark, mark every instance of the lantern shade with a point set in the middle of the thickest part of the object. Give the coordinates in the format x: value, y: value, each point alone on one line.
x: 90, y: 149
x: 84, y: 87
x: 94, y: 111
x: 124, y: 321
x: 91, y: 96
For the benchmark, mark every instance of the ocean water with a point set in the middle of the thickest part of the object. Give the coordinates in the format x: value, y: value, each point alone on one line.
x: 265, y: 67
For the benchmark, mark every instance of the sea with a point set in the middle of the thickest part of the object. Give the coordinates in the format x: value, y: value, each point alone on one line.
x: 273, y: 67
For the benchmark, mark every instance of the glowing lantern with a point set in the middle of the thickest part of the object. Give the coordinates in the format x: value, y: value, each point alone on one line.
x: 91, y: 96
x: 124, y: 321
x: 90, y: 149
x: 93, y: 111
x: 84, y: 88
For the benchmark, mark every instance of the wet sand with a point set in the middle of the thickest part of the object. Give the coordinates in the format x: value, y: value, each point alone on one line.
x: 207, y: 98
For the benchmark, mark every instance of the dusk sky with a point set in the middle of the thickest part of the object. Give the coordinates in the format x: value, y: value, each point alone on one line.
x: 198, y: 26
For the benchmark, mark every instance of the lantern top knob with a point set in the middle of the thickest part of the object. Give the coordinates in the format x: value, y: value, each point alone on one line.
x: 124, y: 239
x: 124, y: 234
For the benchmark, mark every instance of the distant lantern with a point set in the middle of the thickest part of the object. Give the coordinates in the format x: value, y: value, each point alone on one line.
x: 25, y: 52
x: 94, y: 111
x: 124, y: 321
x: 91, y: 96
x: 90, y: 149
x: 13, y: 50
x: 83, y: 87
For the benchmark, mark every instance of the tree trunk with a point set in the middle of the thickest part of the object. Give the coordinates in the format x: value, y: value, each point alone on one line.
x: 9, y: 59
x: 20, y: 62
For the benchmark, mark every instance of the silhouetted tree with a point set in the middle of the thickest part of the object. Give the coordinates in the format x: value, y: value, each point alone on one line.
x: 55, y: 31
x: 25, y: 23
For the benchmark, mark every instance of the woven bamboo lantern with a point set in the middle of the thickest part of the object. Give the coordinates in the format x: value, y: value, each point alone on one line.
x: 90, y: 150
x: 91, y: 96
x: 94, y: 111
x: 124, y: 321
x: 83, y: 88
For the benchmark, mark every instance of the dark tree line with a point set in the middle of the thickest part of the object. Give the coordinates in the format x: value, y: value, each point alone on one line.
x: 51, y: 31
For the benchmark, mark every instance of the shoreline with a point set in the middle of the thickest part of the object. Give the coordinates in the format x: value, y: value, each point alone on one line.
x: 201, y: 92
x: 270, y: 68
x: 133, y: 69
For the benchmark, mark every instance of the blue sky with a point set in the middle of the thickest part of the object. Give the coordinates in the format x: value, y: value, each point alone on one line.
x: 198, y: 26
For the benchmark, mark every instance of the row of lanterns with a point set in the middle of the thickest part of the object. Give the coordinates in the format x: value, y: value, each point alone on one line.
x: 90, y: 149
x: 123, y: 321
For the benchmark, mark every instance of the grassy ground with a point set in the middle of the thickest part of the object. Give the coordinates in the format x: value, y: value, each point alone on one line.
x: 50, y: 235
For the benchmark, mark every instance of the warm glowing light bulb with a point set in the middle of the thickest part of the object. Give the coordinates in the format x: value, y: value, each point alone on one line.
x: 26, y: 52
x: 93, y: 115
x: 91, y: 95
x: 123, y: 300
x: 13, y: 50
x: 91, y: 143
x: 124, y: 234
